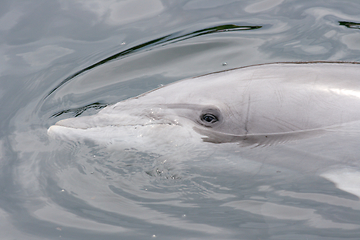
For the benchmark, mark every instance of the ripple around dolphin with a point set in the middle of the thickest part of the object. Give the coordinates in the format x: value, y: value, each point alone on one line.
x: 161, y: 41
x: 78, y: 111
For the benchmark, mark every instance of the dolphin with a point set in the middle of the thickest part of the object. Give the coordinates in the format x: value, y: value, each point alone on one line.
x: 301, y: 116
x: 263, y: 104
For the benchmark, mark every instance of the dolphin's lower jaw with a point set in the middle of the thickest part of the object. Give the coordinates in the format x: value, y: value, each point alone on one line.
x: 149, y: 133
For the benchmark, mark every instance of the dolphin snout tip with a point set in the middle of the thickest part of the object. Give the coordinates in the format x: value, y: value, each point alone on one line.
x: 76, y: 123
x: 54, y: 130
x: 51, y: 132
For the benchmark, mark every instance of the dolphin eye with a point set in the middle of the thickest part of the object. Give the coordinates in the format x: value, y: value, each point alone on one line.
x: 209, y: 118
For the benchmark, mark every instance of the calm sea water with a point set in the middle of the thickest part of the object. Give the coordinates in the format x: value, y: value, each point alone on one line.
x: 65, y: 58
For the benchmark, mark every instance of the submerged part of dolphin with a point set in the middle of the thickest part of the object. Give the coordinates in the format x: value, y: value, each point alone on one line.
x: 255, y: 105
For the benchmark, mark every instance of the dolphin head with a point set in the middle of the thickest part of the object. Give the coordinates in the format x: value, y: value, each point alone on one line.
x: 261, y: 105
x: 155, y: 115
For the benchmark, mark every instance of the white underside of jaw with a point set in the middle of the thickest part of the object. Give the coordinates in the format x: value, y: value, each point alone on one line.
x: 155, y: 130
x: 163, y: 139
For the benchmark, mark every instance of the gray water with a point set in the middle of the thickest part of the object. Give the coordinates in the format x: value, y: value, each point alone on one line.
x: 65, y: 58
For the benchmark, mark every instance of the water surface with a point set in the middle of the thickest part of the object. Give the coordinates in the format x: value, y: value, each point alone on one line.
x: 64, y: 58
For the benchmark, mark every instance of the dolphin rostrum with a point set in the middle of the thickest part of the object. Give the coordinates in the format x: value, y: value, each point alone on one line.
x: 256, y: 105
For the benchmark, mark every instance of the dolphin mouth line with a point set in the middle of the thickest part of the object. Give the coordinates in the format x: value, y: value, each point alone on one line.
x: 118, y: 125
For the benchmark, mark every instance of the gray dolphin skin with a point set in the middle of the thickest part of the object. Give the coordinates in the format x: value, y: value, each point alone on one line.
x: 256, y: 105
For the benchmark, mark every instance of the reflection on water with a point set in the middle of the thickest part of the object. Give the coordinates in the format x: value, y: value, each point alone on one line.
x: 160, y: 42
x: 78, y: 111
x: 68, y: 58
x: 350, y: 24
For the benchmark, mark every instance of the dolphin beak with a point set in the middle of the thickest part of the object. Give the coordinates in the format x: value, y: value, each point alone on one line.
x: 67, y: 126
x: 88, y: 122
x: 109, y: 121
x: 77, y: 123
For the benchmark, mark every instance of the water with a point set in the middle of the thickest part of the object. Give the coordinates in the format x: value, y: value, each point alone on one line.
x: 64, y: 58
